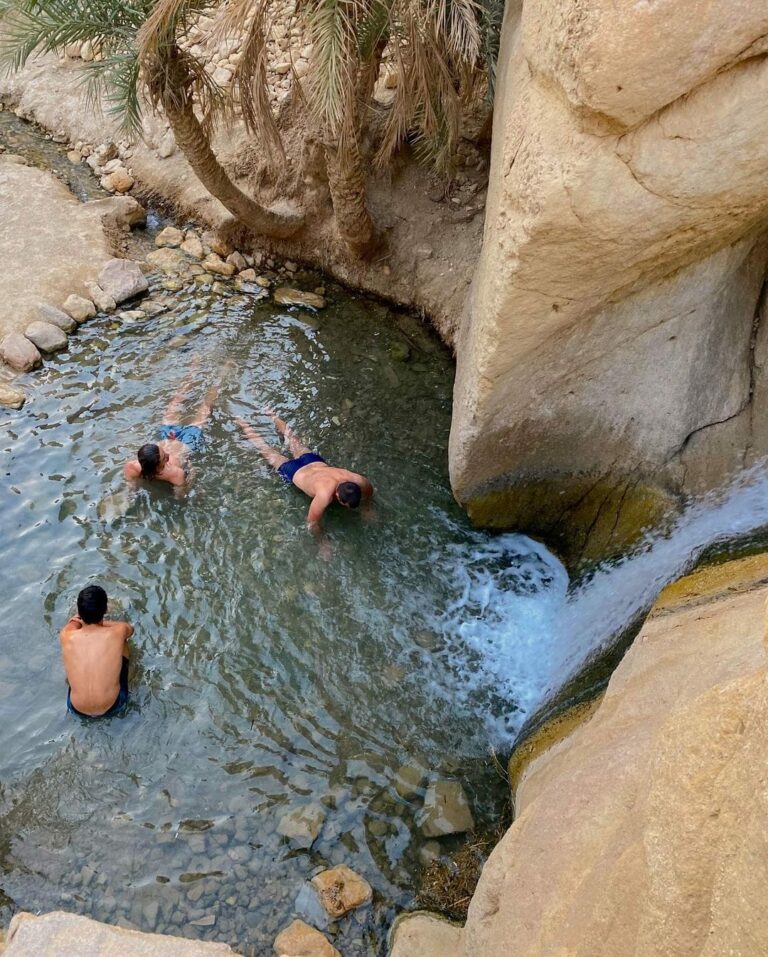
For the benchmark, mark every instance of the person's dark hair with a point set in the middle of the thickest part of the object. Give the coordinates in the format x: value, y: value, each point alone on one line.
x: 348, y: 494
x: 149, y: 459
x: 92, y: 604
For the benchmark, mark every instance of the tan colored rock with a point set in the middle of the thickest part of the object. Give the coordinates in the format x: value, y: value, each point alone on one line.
x: 646, y: 830
x: 424, y: 935
x: 606, y: 344
x: 79, y: 308
x: 57, y: 933
x: 446, y: 810
x: 301, y: 940
x: 19, y: 353
x: 47, y: 337
x: 302, y: 825
x: 101, y: 299
x: 124, y: 279
x: 287, y: 296
x: 12, y: 399
x: 170, y: 236
x: 56, y: 317
x: 120, y: 181
x: 216, y: 264
x: 341, y: 890
x: 192, y: 246
x: 169, y: 261
x: 167, y: 145
x: 247, y: 275
x: 216, y: 244
x: 238, y: 261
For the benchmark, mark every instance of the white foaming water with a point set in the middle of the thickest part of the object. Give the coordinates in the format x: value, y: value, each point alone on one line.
x: 516, y: 633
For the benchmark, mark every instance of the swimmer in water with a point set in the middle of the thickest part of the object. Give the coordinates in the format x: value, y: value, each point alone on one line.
x: 310, y: 472
x: 95, y: 653
x: 166, y: 460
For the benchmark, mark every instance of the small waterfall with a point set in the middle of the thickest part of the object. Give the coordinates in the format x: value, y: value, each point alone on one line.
x: 518, y: 632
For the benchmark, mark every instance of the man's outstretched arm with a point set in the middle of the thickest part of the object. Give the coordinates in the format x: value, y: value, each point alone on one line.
x: 316, y: 511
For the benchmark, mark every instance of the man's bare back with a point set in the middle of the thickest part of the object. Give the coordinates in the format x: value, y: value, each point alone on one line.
x: 173, y: 456
x: 95, y: 659
x: 309, y: 472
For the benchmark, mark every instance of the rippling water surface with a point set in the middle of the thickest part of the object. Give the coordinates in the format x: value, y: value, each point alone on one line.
x: 265, y: 676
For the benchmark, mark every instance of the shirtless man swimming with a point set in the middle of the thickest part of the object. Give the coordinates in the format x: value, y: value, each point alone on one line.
x: 166, y: 460
x: 95, y: 653
x: 310, y: 472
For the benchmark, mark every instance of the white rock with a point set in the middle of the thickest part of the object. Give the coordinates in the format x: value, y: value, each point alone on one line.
x: 167, y: 145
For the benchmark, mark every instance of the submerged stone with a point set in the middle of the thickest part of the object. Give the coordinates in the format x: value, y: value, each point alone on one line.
x: 341, y: 890
x: 286, y: 296
x: 11, y: 398
x: 300, y: 940
x: 409, y: 780
x: 446, y: 810
x: 302, y: 825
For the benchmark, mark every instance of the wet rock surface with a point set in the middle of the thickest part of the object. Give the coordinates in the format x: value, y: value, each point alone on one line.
x: 341, y: 890
x: 446, y: 810
x: 46, y: 336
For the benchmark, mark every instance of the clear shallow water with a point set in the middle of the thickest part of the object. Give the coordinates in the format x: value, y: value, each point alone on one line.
x: 264, y: 676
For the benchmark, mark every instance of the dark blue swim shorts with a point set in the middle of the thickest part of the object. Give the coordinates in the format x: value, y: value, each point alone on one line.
x: 190, y: 435
x: 288, y: 469
x: 120, y: 702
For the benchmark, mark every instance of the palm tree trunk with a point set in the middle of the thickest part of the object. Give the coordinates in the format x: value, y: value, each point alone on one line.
x: 170, y: 80
x: 346, y: 179
x: 194, y: 144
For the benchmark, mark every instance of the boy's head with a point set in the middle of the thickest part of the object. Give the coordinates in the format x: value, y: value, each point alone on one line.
x: 151, y: 459
x: 348, y: 494
x: 92, y: 604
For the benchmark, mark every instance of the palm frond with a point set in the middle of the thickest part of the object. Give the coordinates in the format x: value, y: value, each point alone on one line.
x: 333, y: 67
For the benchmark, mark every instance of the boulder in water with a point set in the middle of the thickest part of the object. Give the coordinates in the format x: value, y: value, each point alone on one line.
x: 11, y: 398
x: 341, y: 890
x: 446, y: 810
x: 300, y: 940
x: 286, y: 296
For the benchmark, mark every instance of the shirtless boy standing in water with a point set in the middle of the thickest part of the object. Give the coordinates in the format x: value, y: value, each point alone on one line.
x: 310, y: 472
x: 166, y: 460
x: 95, y: 653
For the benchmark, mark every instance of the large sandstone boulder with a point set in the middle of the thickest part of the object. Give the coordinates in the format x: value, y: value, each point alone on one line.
x: 611, y: 355
x: 645, y: 832
x: 56, y: 934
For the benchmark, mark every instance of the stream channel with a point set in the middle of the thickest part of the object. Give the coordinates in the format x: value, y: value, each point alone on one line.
x: 267, y: 677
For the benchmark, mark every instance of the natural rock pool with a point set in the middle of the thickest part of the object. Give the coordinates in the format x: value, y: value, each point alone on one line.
x: 268, y: 680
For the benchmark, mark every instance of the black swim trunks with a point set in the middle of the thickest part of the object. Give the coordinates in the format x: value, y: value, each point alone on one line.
x: 117, y: 707
x: 288, y: 469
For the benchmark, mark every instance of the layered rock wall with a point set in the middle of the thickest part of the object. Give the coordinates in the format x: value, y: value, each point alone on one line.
x: 609, y: 349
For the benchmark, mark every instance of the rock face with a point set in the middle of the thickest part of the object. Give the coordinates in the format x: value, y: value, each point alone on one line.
x: 52, y: 935
x: 424, y: 935
x: 646, y: 831
x: 612, y: 355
